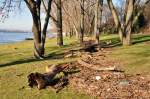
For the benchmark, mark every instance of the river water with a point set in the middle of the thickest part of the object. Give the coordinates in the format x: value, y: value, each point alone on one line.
x: 12, y: 37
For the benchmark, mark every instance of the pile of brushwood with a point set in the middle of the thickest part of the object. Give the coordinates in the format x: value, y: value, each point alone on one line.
x: 97, y: 75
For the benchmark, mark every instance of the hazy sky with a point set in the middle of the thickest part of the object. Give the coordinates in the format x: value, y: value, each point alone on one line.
x: 21, y: 20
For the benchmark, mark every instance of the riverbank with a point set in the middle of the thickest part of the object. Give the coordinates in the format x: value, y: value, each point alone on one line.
x: 17, y: 61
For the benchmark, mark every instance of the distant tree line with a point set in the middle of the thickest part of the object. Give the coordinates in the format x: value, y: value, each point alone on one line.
x: 81, y: 18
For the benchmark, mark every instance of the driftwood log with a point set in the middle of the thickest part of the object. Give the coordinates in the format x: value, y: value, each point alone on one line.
x: 98, y: 68
x: 42, y: 80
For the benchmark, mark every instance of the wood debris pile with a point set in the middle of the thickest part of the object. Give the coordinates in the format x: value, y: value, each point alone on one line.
x: 99, y: 76
x: 108, y: 82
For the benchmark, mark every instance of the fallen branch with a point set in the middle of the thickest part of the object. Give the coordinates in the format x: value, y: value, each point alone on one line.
x: 97, y: 68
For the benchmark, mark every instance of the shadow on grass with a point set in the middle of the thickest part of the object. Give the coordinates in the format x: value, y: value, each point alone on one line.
x: 140, y: 39
x: 110, y: 43
x: 115, y: 42
x: 19, y: 62
x: 53, y: 55
x: 58, y: 53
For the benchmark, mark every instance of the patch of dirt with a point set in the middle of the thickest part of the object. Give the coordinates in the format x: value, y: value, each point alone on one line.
x: 107, y: 84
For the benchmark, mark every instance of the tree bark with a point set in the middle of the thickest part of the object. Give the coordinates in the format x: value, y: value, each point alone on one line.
x: 116, y: 18
x: 98, y: 19
x: 128, y: 23
x: 45, y: 24
x: 81, y: 35
x: 59, y: 23
x: 125, y: 29
x: 34, y: 7
x: 39, y: 35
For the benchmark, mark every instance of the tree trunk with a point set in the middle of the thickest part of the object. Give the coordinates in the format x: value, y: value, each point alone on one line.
x: 34, y: 7
x: 38, y: 50
x: 45, y: 25
x: 81, y: 35
x: 98, y: 19
x: 126, y: 41
x: 59, y: 24
x: 39, y: 36
x: 120, y: 32
x: 126, y: 37
x: 126, y: 29
x: 116, y: 18
x: 128, y: 23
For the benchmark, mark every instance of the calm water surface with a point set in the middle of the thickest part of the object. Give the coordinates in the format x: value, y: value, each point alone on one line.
x: 11, y: 37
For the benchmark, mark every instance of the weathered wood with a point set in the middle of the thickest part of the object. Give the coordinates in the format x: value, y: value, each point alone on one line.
x: 97, y: 68
x: 42, y: 80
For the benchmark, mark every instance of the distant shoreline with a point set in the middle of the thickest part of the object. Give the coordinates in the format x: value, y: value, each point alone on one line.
x: 15, y: 32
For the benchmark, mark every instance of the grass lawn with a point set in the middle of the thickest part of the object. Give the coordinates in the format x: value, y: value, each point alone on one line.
x: 17, y: 61
x: 136, y: 58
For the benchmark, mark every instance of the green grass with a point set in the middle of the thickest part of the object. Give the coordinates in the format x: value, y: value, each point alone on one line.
x: 135, y: 58
x: 17, y: 59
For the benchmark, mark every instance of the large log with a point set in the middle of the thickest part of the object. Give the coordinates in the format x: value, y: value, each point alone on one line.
x: 42, y: 80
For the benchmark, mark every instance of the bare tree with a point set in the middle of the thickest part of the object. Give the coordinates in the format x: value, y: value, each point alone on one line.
x: 125, y: 26
x: 116, y: 17
x: 126, y: 38
x: 38, y: 31
x: 56, y: 17
x: 59, y: 23
x: 81, y: 35
x: 72, y: 17
x: 98, y: 19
